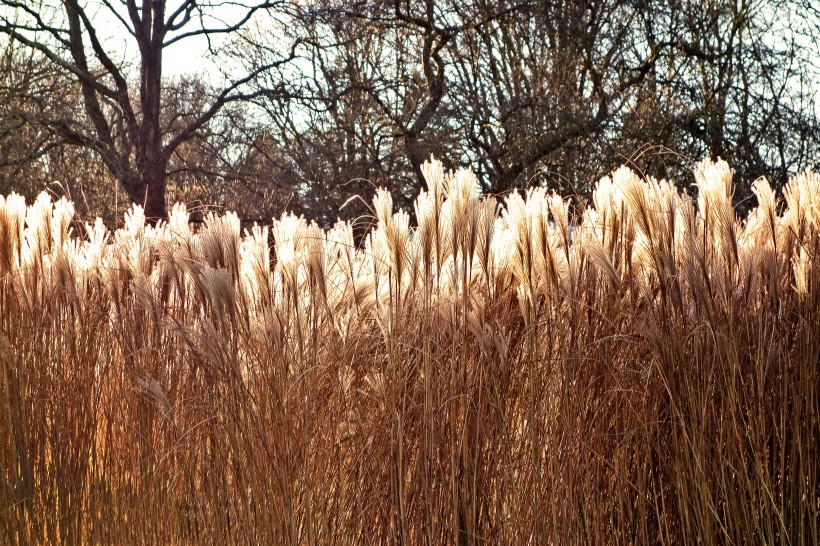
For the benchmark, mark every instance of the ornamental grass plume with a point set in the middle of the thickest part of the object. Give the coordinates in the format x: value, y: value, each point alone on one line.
x: 523, y: 370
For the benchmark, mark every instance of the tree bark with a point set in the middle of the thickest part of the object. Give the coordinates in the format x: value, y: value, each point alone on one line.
x: 147, y: 189
x: 155, y: 208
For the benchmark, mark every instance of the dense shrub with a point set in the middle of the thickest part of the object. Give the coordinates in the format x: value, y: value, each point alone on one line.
x: 641, y: 372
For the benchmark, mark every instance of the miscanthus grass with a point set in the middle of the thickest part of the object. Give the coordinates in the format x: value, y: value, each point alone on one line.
x: 644, y: 371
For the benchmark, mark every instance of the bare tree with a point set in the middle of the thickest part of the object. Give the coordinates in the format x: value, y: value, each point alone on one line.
x: 368, y: 102
x: 125, y: 122
x: 738, y: 84
x: 539, y: 85
x: 28, y: 85
x: 503, y: 86
x: 32, y: 159
x: 333, y: 97
x: 551, y: 93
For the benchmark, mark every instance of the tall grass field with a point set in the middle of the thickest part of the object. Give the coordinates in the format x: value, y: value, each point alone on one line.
x: 644, y: 371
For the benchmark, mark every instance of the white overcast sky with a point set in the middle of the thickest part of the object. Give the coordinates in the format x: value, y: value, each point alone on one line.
x: 188, y: 56
x: 184, y: 57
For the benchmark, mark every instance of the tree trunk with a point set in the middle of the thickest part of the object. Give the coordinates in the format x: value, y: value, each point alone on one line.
x: 416, y: 154
x: 155, y: 198
x: 151, y: 159
x: 147, y: 189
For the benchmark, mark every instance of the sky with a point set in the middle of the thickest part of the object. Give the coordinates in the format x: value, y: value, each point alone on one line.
x: 184, y: 57
x: 188, y: 56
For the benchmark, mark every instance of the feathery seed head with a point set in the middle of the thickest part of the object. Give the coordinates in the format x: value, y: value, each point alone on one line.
x: 801, y: 266
x: 433, y: 172
x: 802, y: 198
x: 178, y: 222
x: 61, y: 221
x: 714, y: 180
x: 288, y: 235
x: 383, y: 206
x: 255, y: 265
x: 134, y: 221
x: 38, y: 226
x: 12, y: 224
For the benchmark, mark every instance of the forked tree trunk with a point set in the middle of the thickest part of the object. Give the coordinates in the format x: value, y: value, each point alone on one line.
x: 152, y: 162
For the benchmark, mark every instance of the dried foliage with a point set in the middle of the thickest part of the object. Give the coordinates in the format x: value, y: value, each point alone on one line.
x: 641, y: 372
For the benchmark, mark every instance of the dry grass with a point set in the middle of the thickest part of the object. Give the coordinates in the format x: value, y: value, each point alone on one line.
x: 648, y: 378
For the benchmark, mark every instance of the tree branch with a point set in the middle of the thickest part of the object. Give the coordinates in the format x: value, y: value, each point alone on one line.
x: 226, y: 96
x: 222, y: 30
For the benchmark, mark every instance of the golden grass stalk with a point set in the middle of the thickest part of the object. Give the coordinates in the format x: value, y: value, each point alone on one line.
x: 643, y: 371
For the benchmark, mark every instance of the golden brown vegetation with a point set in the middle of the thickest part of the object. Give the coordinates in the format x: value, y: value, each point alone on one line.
x: 649, y: 376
